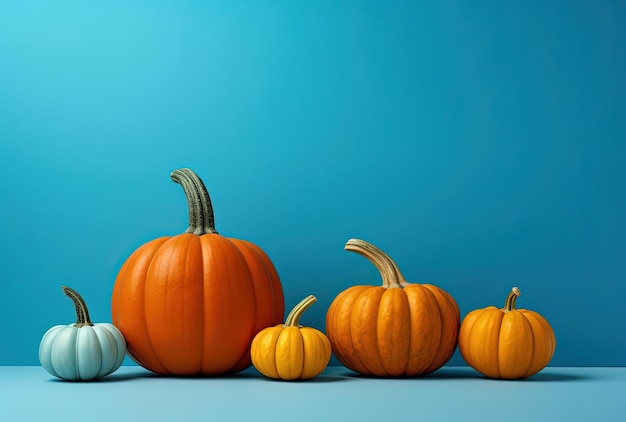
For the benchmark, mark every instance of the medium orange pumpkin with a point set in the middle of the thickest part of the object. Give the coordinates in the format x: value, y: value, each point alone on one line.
x: 192, y: 303
x: 397, y: 329
x: 506, y: 343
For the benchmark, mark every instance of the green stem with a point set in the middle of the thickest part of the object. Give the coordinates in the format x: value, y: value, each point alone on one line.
x: 509, y: 305
x: 82, y: 314
x: 389, y: 271
x: 201, y: 220
x: 293, y: 319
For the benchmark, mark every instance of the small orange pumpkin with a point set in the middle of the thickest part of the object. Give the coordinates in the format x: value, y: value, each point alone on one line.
x: 289, y: 351
x: 397, y: 329
x: 192, y: 303
x: 506, y: 343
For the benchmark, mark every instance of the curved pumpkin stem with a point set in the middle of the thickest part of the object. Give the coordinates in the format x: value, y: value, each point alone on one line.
x: 201, y: 220
x: 509, y: 305
x: 392, y: 277
x: 293, y: 319
x: 82, y: 314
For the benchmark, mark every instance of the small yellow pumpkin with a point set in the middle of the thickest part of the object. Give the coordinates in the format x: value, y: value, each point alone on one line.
x: 506, y: 343
x: 288, y: 351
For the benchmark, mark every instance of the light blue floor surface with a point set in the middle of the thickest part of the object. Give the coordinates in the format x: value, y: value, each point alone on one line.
x: 452, y: 393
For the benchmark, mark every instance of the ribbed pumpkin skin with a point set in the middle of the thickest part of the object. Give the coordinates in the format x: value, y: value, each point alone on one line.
x: 508, y: 344
x: 83, y: 350
x: 390, y: 332
x: 191, y: 304
x: 82, y: 353
x: 289, y: 351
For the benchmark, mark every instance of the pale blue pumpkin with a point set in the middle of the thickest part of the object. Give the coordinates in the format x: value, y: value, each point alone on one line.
x: 81, y: 351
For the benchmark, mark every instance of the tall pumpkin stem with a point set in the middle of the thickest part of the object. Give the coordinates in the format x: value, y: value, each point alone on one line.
x: 392, y: 277
x: 201, y: 220
x: 293, y: 319
x: 509, y: 305
x: 82, y: 314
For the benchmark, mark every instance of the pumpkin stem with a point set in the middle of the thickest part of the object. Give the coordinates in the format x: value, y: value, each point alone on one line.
x: 509, y: 305
x: 201, y: 220
x: 293, y: 319
x: 82, y: 314
x: 392, y: 277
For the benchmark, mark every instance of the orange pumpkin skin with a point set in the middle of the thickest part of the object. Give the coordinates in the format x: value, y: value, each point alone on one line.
x: 398, y: 329
x: 191, y: 304
x: 506, y: 343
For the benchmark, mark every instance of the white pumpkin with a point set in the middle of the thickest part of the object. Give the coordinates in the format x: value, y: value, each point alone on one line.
x: 81, y: 351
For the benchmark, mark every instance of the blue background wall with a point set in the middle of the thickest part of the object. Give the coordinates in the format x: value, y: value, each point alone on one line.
x: 481, y: 144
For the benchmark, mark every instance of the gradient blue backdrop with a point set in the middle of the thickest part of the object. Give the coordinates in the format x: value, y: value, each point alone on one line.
x: 481, y: 144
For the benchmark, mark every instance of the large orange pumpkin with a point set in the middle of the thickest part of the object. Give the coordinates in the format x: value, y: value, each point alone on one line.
x: 506, y: 343
x: 192, y: 303
x: 397, y: 329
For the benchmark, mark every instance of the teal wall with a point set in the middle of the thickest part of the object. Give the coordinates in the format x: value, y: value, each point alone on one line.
x: 481, y: 144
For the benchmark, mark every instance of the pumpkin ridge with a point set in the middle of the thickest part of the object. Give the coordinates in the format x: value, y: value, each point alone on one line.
x: 533, y: 348
x: 443, y: 299
x: 484, y: 357
x: 146, y: 318
x: 412, y: 289
x: 312, y: 360
x: 433, y: 361
x: 497, y: 357
x: 273, y: 277
x: 99, y: 348
x: 509, y: 307
x: 220, y: 253
x: 122, y: 283
x: 371, y: 360
x: 267, y: 347
x: 242, y: 243
x: 105, y: 332
x: 73, y: 340
x: 253, y: 331
x: 540, y: 327
x: 465, y: 335
x: 267, y: 291
x: 508, y: 363
x: 335, y: 324
x: 203, y: 307
x: 289, y: 341
x: 547, y: 328
x: 408, y: 343
x: 384, y: 360
x: 352, y: 353
x: 245, y: 247
x: 151, y: 333
x: 77, y: 344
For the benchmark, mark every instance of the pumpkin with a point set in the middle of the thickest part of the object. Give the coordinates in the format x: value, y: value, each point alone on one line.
x: 83, y: 350
x: 506, y: 343
x: 397, y: 329
x: 289, y: 351
x: 190, y: 304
